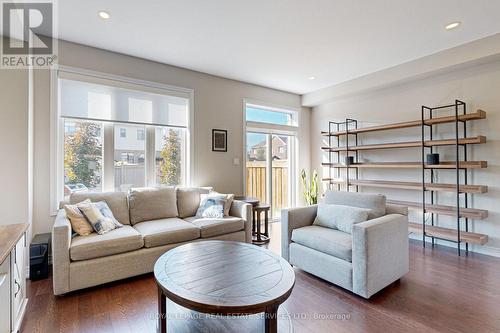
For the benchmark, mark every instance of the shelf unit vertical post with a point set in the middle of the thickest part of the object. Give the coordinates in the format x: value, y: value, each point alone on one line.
x: 456, y: 107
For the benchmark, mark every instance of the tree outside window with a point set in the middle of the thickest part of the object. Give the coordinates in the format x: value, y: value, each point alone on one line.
x: 83, y: 155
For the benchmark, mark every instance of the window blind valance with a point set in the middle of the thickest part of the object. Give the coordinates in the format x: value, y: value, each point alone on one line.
x: 100, y: 99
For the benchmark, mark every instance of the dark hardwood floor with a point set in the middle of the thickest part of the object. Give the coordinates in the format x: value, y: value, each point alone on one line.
x: 442, y: 293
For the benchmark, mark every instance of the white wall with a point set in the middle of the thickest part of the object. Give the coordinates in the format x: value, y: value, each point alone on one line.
x: 14, y: 146
x: 478, y: 86
x: 218, y: 103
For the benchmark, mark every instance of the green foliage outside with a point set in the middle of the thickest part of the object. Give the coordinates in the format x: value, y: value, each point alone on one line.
x: 82, y: 155
x: 170, y: 166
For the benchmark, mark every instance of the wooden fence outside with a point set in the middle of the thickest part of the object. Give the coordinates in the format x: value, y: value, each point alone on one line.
x: 256, y: 184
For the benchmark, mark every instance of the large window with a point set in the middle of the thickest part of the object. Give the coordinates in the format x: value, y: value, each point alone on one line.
x: 118, y: 135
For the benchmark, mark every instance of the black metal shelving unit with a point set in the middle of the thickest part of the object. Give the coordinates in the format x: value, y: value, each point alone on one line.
x: 459, y: 108
x: 347, y: 125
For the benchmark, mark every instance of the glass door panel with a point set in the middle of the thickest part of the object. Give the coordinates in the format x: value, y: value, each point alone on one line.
x: 281, y: 149
x: 257, y: 166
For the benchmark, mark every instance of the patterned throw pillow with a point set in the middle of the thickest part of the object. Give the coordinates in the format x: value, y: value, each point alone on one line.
x: 229, y: 200
x: 99, y: 222
x: 79, y: 222
x: 211, y: 206
x: 106, y: 212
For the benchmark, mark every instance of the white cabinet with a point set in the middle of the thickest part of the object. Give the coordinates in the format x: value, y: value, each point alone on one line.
x: 5, y: 296
x: 13, y: 288
x: 18, y: 276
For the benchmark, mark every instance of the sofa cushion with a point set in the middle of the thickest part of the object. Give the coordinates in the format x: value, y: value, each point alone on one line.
x: 117, y: 202
x: 166, y: 231
x: 152, y: 203
x: 374, y: 202
x: 188, y: 200
x: 116, y: 241
x: 340, y: 217
x: 330, y: 241
x: 211, y: 227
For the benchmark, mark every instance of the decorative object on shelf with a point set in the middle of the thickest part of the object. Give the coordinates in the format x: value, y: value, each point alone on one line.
x: 429, y: 165
x: 311, y: 190
x: 219, y: 140
x: 433, y: 159
x: 349, y: 160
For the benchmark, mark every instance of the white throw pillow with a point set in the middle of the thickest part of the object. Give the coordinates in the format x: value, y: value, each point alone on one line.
x: 227, y: 204
x: 211, y: 206
x: 340, y: 217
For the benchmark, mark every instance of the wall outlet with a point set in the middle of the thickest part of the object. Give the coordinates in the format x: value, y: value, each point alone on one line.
x: 236, y: 161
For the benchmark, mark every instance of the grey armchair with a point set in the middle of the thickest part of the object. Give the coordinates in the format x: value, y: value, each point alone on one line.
x: 373, y: 256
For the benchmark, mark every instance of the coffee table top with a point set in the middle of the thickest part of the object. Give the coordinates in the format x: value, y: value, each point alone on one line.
x: 224, y: 277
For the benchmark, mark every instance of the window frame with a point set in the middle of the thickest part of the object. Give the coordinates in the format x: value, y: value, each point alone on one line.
x: 57, y: 135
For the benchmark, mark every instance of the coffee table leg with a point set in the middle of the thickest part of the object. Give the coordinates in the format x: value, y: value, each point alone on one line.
x: 271, y: 319
x: 162, y: 312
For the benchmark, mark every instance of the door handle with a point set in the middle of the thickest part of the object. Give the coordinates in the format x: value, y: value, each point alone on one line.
x: 3, y: 277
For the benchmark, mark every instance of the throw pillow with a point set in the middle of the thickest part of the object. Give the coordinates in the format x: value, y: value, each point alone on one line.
x: 78, y: 221
x: 99, y: 222
x: 106, y: 212
x: 211, y: 206
x: 340, y: 217
x: 229, y: 200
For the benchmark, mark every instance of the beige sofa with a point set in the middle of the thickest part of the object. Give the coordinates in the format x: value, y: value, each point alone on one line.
x: 155, y: 220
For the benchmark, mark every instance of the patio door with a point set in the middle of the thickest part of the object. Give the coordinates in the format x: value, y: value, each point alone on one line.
x: 270, y: 173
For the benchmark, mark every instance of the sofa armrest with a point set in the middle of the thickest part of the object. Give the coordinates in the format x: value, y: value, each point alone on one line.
x: 61, y: 241
x: 380, y: 253
x: 243, y: 210
x: 294, y: 218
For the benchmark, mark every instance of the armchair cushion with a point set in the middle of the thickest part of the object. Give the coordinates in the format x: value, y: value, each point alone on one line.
x: 374, y: 202
x: 329, y: 241
x: 340, y: 217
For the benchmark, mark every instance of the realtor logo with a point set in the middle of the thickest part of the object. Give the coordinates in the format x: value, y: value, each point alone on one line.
x: 28, y: 28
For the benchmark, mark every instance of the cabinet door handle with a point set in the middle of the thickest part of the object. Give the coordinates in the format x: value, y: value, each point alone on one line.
x: 18, y: 288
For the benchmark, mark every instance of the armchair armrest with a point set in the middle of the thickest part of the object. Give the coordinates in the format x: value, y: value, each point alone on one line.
x: 244, y: 211
x: 61, y: 241
x: 380, y: 253
x: 294, y: 218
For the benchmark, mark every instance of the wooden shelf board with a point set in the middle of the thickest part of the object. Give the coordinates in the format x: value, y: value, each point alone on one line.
x: 472, y: 213
x: 411, y: 185
x: 479, y: 114
x: 448, y: 234
x: 412, y: 165
x: 411, y: 144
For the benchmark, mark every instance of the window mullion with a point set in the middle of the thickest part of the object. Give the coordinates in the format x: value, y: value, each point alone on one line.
x: 150, y: 156
x: 108, y: 150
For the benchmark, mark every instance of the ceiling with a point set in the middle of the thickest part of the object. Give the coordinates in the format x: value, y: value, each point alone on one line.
x: 279, y: 43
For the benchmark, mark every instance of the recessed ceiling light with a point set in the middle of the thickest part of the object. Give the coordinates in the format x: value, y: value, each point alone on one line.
x: 104, y: 15
x: 311, y: 78
x: 452, y: 25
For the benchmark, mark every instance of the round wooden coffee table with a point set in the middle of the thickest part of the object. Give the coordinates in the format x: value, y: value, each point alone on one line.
x: 223, y: 278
